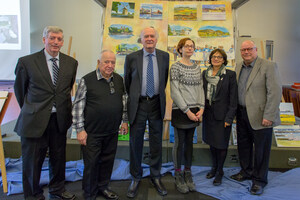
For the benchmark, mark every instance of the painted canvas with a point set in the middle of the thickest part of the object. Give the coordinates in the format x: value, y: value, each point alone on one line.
x: 125, y: 49
x: 178, y: 30
x: 151, y: 11
x: 213, y: 12
x: 120, y: 31
x: 213, y: 31
x: 122, y: 9
x: 185, y: 12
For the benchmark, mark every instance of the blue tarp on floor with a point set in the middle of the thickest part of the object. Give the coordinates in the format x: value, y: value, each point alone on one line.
x: 281, y: 185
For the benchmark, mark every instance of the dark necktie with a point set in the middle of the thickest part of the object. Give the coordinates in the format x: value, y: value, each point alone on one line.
x: 55, y: 70
x: 150, y: 78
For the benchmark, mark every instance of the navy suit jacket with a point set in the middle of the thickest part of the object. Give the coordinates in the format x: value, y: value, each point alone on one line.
x: 133, y: 70
x: 225, y: 104
x: 36, y: 93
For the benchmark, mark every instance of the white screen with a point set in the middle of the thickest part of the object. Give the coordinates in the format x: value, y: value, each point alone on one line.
x: 14, y: 35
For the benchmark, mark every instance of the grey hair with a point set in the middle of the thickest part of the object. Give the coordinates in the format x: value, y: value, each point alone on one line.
x: 156, y: 33
x: 254, y: 45
x: 103, y: 51
x: 52, y: 29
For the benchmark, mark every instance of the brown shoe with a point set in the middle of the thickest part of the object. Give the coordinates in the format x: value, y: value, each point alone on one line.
x: 240, y: 177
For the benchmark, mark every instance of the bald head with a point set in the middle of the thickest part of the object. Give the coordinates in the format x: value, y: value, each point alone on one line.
x: 248, y: 51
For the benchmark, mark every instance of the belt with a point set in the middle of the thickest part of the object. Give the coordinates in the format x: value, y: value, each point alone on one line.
x: 149, y: 98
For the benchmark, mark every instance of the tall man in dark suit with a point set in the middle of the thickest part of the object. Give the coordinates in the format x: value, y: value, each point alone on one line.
x: 146, y: 75
x: 259, y: 94
x: 42, y: 87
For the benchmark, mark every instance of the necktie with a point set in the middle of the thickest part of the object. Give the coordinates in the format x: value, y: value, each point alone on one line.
x: 150, y: 78
x: 55, y: 70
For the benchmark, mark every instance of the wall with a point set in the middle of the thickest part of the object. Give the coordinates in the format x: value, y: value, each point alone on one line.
x: 276, y: 20
x: 80, y: 19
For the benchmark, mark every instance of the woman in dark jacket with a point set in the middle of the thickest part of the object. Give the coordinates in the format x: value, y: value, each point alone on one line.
x: 220, y: 88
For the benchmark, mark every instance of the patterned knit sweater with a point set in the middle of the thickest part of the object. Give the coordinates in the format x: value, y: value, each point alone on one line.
x: 186, y: 87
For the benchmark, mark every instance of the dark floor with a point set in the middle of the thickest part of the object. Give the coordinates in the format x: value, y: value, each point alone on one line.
x: 146, y: 191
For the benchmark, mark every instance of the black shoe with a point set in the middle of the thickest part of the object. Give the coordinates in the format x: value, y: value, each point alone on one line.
x: 240, y: 177
x: 160, y: 188
x: 256, y: 189
x: 212, y: 173
x: 64, y: 196
x: 109, y: 194
x: 218, y: 180
x: 133, y: 188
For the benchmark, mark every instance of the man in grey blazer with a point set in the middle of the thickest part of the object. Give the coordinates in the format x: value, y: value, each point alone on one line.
x: 259, y: 95
x: 146, y: 75
x: 42, y: 88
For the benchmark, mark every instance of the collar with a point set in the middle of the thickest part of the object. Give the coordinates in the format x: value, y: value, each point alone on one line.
x: 48, y: 56
x: 252, y: 64
x: 146, y: 53
x: 99, y: 75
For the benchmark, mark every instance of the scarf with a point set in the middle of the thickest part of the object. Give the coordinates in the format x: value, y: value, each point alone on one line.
x: 213, y: 82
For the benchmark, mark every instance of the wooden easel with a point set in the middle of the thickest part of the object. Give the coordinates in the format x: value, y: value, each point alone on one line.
x: 2, y: 158
x: 73, y: 91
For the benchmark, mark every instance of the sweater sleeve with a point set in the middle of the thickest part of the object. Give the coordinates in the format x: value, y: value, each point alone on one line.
x: 175, y: 89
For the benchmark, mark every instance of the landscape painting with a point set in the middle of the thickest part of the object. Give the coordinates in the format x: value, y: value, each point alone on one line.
x: 122, y: 9
x: 213, y: 32
x: 177, y: 30
x: 151, y: 11
x: 120, y: 31
x: 213, y: 12
x: 125, y: 49
x: 185, y: 12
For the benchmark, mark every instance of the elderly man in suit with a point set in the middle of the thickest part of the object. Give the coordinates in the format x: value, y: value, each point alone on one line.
x: 146, y: 75
x: 259, y: 94
x: 42, y: 88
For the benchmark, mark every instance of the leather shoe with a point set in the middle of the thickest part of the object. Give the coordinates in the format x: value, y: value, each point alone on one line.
x: 218, y: 179
x: 212, y: 173
x: 133, y: 188
x: 64, y: 196
x: 109, y: 194
x: 256, y: 189
x: 160, y: 188
x: 240, y: 177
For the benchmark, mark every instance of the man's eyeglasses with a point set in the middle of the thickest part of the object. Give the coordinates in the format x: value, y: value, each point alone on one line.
x: 188, y: 46
x: 247, y: 49
x: 112, y: 87
x: 217, y: 57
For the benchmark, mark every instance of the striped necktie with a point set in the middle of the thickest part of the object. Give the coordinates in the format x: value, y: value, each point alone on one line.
x: 55, y: 70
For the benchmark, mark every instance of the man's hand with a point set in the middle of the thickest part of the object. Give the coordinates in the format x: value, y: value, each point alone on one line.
x: 226, y: 124
x: 81, y: 137
x: 266, y: 122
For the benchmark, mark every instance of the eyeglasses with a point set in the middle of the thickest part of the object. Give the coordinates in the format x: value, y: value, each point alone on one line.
x: 247, y: 49
x: 112, y: 87
x: 217, y: 57
x: 188, y: 46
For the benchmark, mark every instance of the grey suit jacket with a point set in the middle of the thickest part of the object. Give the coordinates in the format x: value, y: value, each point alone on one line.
x: 263, y: 93
x: 35, y: 93
x: 133, y: 70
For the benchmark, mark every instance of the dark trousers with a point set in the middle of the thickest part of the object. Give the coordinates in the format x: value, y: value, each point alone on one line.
x: 147, y: 110
x: 33, y: 154
x: 183, y: 145
x: 98, y: 157
x: 218, y: 158
x: 262, y: 140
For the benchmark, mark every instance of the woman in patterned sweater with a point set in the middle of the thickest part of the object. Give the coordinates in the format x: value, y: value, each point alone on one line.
x: 188, y: 106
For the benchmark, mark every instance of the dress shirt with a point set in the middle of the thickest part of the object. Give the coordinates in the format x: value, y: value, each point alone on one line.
x: 50, y: 68
x: 155, y: 72
x: 243, y: 79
